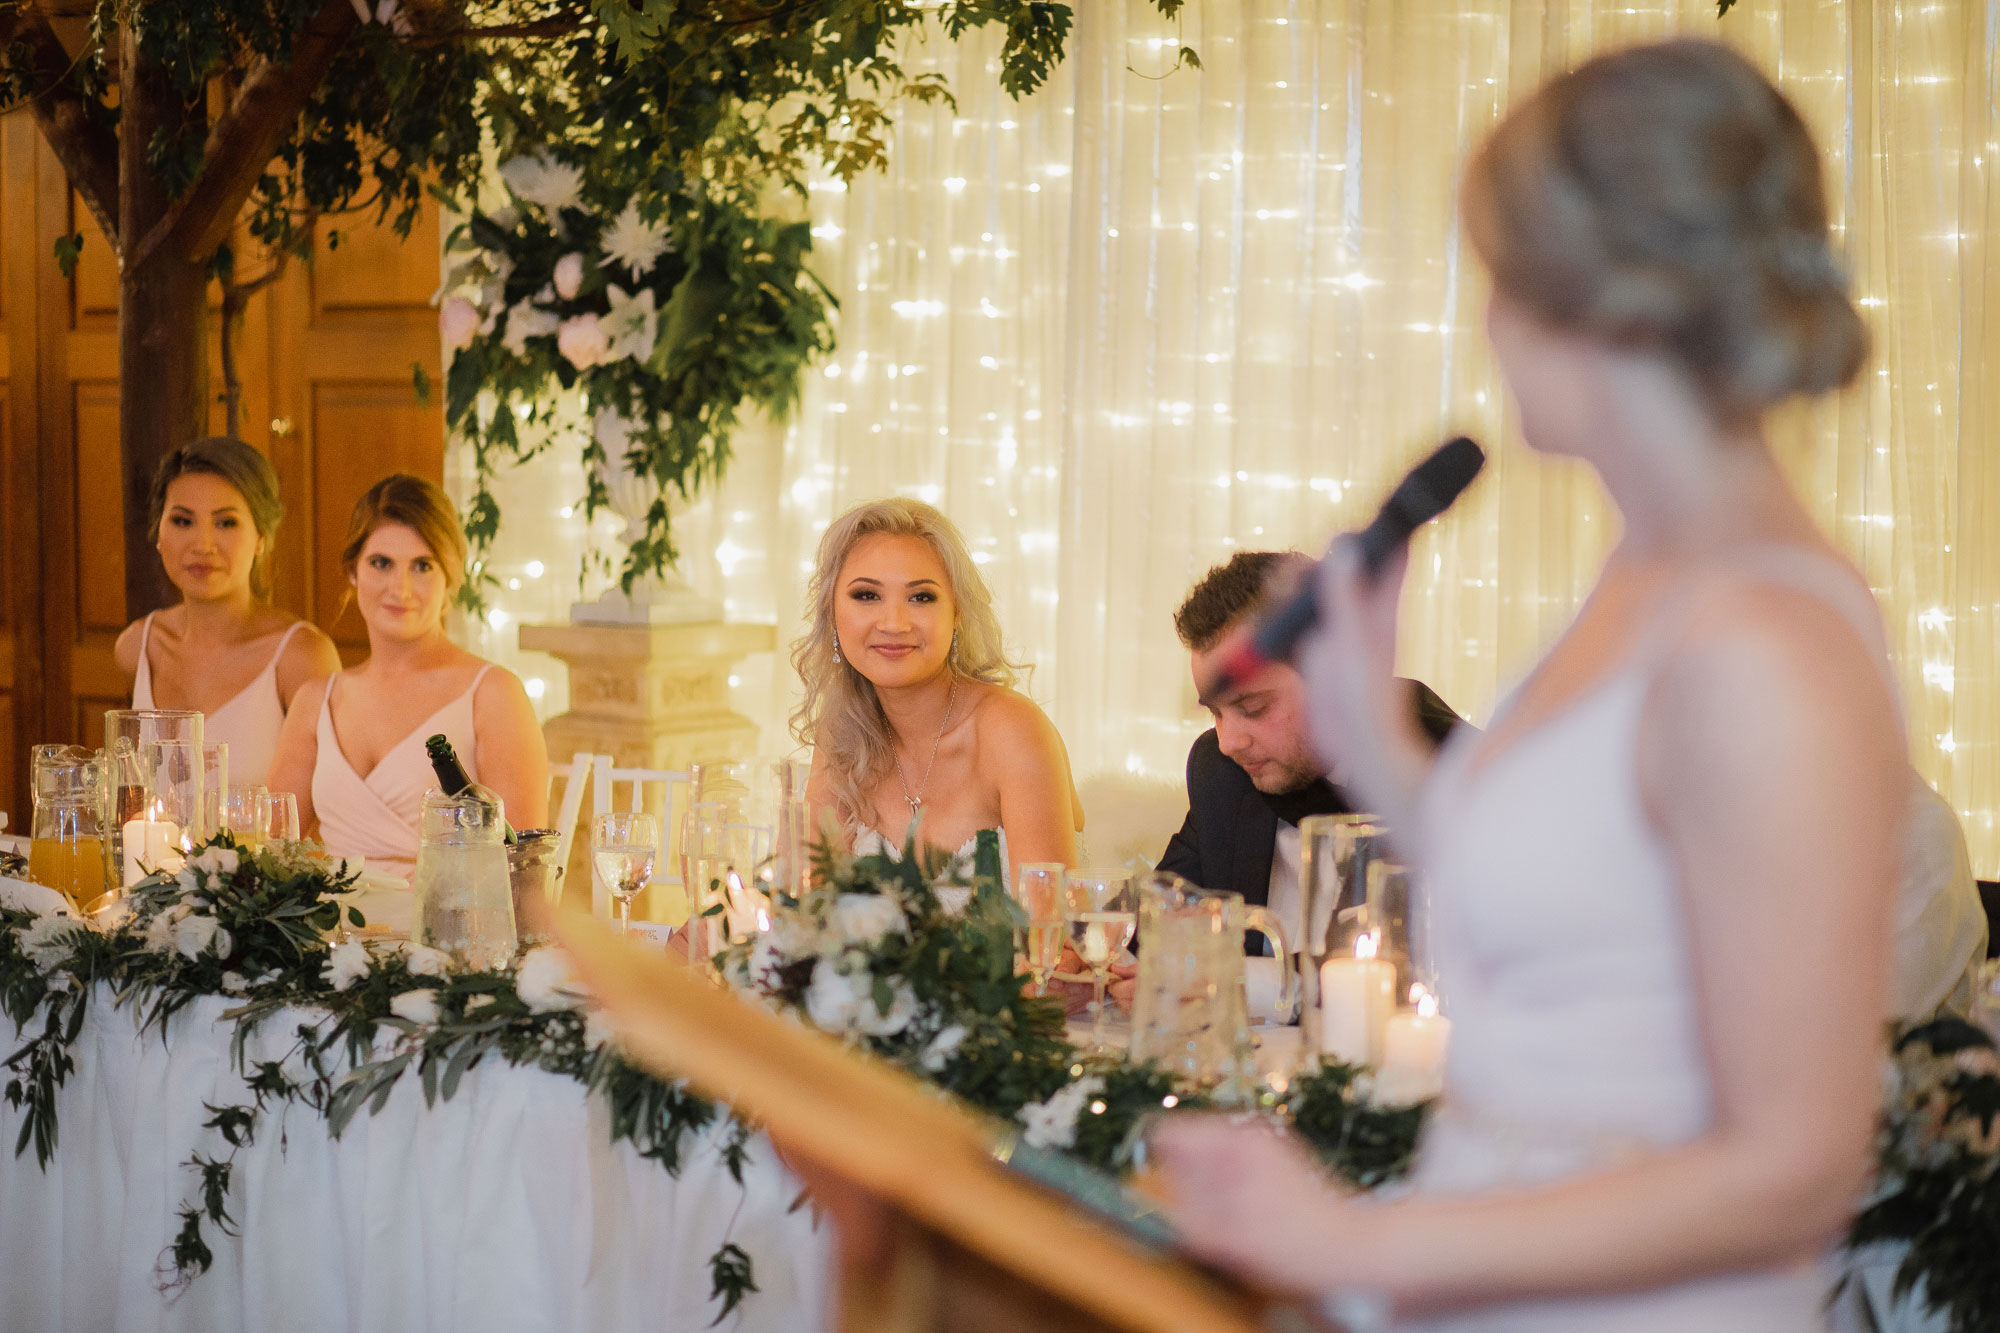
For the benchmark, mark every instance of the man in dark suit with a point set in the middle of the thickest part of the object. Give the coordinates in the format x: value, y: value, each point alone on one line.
x: 1253, y: 776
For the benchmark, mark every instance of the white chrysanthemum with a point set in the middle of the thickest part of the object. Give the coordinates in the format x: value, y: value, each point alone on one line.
x: 633, y: 244
x: 527, y: 321
x: 544, y: 981
x: 543, y: 180
x: 631, y: 326
x: 416, y: 1006
x: 49, y: 940
x: 862, y: 920
x: 346, y: 964
x: 942, y: 1047
x: 833, y: 1000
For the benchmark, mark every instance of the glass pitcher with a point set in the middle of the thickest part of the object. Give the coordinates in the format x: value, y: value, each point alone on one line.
x: 1190, y: 1013
x: 66, y: 851
x: 464, y: 892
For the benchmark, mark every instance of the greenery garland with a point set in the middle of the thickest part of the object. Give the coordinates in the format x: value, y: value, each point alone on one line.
x: 912, y: 962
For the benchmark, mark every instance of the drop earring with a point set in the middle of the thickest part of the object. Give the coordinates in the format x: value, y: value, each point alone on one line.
x: 954, y: 646
x: 836, y: 651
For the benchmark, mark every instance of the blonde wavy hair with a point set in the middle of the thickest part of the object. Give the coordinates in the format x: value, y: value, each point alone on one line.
x: 840, y: 715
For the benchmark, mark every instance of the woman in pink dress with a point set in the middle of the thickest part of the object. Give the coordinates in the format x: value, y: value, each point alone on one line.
x: 224, y: 651
x: 1662, y: 878
x: 353, y: 750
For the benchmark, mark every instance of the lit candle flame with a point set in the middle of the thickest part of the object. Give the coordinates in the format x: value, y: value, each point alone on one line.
x: 1367, y: 946
x: 1427, y: 1005
x: 763, y: 919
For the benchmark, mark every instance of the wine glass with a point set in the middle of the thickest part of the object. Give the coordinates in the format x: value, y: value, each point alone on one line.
x: 284, y: 817
x: 1102, y: 912
x: 624, y: 845
x: 246, y: 813
x: 1038, y: 890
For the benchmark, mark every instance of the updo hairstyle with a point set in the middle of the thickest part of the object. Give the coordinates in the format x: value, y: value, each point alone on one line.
x: 1669, y: 197
x: 417, y: 505
x: 253, y: 478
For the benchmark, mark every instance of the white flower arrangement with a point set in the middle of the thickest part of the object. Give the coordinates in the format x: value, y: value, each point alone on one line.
x: 50, y: 939
x: 1052, y: 1123
x: 634, y: 244
x: 863, y: 920
x: 545, y: 982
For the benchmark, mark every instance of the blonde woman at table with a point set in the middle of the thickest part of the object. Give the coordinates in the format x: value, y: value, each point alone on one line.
x: 224, y: 651
x: 1663, y: 876
x: 353, y: 751
x: 910, y: 704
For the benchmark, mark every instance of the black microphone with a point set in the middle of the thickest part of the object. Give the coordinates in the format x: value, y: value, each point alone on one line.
x: 1426, y: 492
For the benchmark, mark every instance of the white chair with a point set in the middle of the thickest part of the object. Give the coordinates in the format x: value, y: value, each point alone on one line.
x: 605, y: 782
x: 575, y: 776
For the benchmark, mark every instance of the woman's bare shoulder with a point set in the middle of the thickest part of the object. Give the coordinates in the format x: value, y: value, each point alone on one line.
x: 125, y: 651
x: 1011, y: 725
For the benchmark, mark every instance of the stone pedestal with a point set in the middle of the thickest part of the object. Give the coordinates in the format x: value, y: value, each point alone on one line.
x: 650, y: 696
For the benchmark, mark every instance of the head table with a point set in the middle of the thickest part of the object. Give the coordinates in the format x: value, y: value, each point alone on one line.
x: 504, y: 1207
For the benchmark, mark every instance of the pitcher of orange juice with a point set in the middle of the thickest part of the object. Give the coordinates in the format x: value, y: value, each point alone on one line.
x: 66, y: 847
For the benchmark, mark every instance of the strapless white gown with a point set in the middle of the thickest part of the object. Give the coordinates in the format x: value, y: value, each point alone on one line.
x: 872, y: 842
x: 1564, y: 958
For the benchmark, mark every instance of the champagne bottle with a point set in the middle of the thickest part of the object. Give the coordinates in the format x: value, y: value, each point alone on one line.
x: 986, y: 862
x: 451, y: 775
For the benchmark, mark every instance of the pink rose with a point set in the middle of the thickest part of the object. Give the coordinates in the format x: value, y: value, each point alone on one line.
x: 458, y: 321
x: 569, y: 275
x: 583, y: 340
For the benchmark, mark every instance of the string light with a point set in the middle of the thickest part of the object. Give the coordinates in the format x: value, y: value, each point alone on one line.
x: 1243, y: 332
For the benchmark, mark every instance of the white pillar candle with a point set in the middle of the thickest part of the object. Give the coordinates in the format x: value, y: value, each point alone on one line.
x: 1356, y: 997
x: 150, y: 843
x: 1414, y: 1043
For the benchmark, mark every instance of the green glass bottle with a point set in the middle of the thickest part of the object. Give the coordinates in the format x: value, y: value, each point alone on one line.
x: 986, y: 862
x: 452, y: 777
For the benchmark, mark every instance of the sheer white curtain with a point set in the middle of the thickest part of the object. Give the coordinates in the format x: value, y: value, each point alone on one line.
x: 1145, y: 318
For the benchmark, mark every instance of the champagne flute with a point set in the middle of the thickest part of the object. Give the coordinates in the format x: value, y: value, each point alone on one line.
x: 1102, y: 912
x: 1038, y: 890
x: 623, y: 847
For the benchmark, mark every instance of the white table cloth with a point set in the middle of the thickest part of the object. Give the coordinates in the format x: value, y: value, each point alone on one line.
x: 504, y: 1208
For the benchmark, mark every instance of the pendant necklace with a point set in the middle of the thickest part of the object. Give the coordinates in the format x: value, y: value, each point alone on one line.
x: 918, y: 800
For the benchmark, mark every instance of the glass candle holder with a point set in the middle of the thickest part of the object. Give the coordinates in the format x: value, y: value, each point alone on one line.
x: 126, y: 799
x: 160, y: 835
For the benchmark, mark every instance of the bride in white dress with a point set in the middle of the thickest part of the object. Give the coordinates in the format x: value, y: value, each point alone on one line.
x: 1662, y: 877
x: 909, y: 702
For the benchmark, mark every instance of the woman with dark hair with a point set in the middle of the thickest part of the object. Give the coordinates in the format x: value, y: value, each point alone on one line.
x: 353, y: 751
x: 224, y: 651
x: 1662, y: 878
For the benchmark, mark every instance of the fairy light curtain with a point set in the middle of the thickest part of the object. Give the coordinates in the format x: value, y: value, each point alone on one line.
x: 1148, y: 317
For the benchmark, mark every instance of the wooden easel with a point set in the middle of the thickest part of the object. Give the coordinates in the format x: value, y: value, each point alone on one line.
x: 971, y: 1247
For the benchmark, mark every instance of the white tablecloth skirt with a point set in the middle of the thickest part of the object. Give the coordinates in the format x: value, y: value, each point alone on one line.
x: 504, y: 1208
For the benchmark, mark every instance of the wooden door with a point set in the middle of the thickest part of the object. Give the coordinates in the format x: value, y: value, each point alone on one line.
x: 325, y: 356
